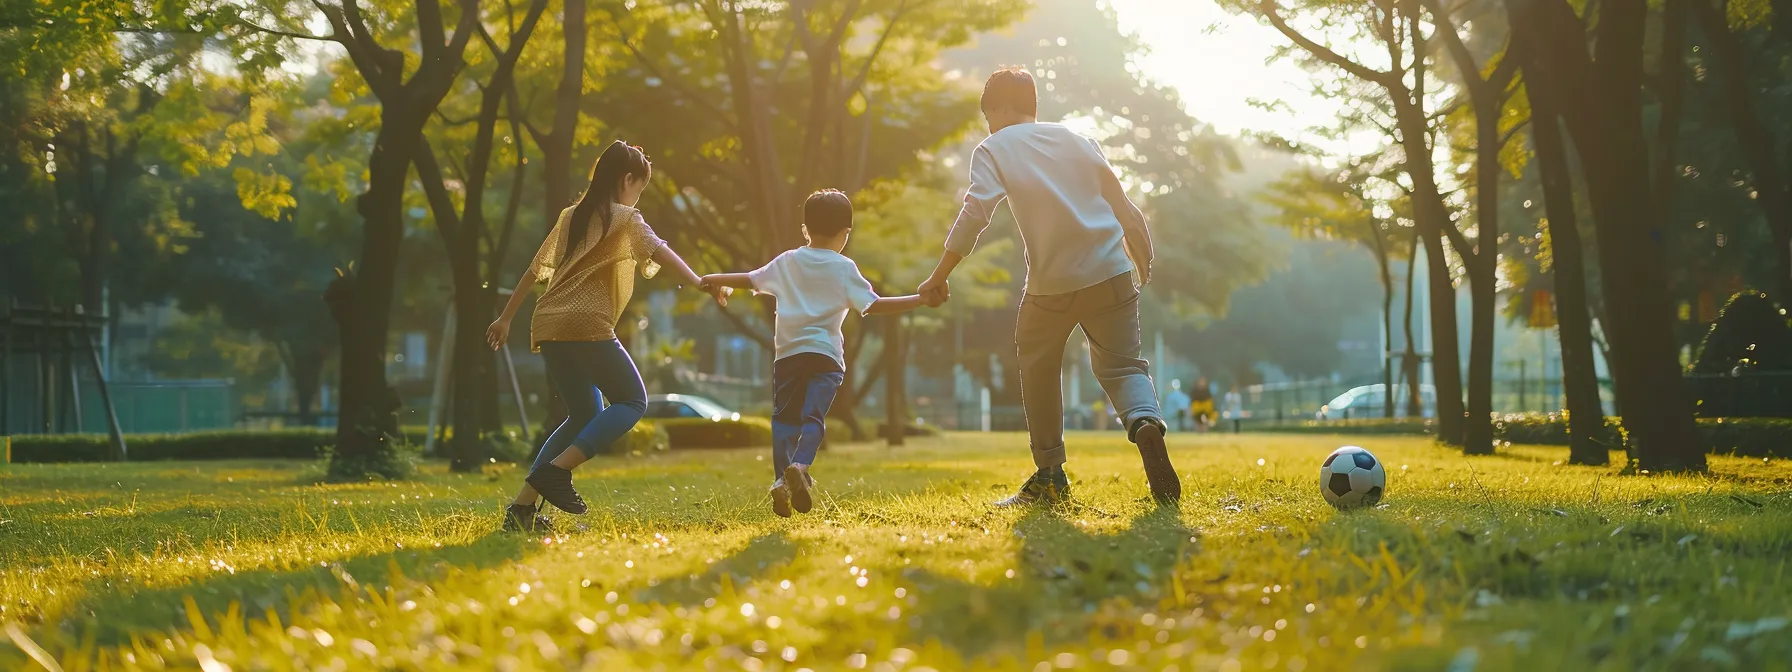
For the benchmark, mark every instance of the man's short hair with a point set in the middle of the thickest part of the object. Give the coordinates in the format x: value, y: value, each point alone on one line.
x: 1011, y: 88
x: 827, y: 212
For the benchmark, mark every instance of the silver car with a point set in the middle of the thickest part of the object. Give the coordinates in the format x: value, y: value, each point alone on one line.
x: 1366, y: 402
x: 667, y: 406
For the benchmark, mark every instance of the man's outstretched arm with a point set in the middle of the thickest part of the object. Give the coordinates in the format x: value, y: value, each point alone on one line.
x: 1132, y: 222
x: 936, y: 290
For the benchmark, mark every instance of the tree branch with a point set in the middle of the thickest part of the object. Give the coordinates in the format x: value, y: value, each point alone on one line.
x: 1269, y: 11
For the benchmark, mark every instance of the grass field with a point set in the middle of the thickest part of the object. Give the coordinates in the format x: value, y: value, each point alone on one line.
x: 1506, y: 562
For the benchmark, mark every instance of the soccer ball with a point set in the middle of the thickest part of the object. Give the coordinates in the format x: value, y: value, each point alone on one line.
x: 1352, y: 477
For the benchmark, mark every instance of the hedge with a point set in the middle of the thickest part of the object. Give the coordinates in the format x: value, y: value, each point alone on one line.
x: 1746, y: 437
x: 304, y: 444
x: 746, y: 432
x: 217, y: 445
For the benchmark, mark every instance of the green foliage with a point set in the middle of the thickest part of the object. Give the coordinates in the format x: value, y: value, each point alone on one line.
x: 746, y: 432
x: 1744, y: 437
x: 1750, y: 335
x: 305, y: 444
x: 255, y: 566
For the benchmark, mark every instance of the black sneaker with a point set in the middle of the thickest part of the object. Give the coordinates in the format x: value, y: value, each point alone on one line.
x: 555, y: 485
x: 1166, y: 486
x: 1041, y: 488
x: 796, y: 477
x: 781, y: 499
x: 526, y: 518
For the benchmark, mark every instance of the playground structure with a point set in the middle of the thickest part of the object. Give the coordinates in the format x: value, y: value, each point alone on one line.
x: 50, y: 337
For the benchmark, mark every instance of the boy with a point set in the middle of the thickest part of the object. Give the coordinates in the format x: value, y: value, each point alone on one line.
x: 814, y: 286
x: 1084, y: 239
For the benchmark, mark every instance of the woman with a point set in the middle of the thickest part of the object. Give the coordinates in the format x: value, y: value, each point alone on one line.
x: 588, y: 262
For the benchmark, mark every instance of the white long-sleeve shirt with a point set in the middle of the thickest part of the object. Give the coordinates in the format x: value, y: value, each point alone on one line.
x: 1051, y: 177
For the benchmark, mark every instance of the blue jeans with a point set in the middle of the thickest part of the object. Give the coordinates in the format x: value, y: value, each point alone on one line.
x: 803, y: 388
x: 586, y: 373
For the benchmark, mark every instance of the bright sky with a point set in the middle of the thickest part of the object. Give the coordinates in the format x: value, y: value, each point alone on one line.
x: 1217, y: 61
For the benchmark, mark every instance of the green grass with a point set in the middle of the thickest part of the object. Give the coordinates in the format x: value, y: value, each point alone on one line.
x: 1507, y: 562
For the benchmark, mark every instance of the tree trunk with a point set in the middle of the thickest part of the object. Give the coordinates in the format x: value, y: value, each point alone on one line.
x: 1481, y: 263
x: 367, y: 420
x: 1601, y: 101
x: 895, y: 383
x: 1387, y: 329
x: 557, y: 144
x: 1409, y: 363
x: 1580, y: 376
x: 474, y: 404
x: 1447, y: 361
x: 1379, y: 246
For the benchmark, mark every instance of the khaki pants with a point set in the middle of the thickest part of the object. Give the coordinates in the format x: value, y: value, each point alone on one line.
x: 1108, y: 314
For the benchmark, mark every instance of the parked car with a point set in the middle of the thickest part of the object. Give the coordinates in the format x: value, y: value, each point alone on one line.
x: 670, y: 406
x: 1366, y: 402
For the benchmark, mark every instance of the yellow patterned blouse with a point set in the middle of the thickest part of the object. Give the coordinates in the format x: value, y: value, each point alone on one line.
x: 588, y: 289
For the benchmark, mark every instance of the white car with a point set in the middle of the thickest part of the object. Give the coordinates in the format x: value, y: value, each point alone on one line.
x: 669, y: 406
x: 1367, y: 401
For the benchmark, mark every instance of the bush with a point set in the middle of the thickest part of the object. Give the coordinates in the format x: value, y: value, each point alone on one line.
x: 647, y: 437
x: 1360, y: 426
x: 1748, y: 437
x: 1551, y: 429
x: 305, y: 444
x: 685, y: 433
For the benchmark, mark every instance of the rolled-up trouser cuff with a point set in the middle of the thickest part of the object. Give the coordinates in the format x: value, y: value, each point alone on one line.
x: 1049, y: 457
x: 1132, y: 425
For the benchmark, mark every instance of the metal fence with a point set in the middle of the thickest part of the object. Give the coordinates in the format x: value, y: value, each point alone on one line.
x: 143, y: 407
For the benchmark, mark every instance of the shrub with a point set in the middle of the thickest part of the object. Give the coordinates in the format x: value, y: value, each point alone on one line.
x: 647, y: 437
x: 218, y: 445
x: 1748, y: 437
x: 1550, y: 429
x: 700, y: 433
x: 1359, y: 426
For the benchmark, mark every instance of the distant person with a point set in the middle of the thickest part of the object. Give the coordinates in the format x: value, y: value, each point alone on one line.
x: 1178, y: 401
x: 815, y: 286
x: 1235, y: 407
x: 588, y: 262
x: 1200, y: 404
x: 1083, y: 240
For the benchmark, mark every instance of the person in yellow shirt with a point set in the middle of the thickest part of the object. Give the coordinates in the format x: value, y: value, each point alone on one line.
x: 1200, y: 404
x: 589, y: 262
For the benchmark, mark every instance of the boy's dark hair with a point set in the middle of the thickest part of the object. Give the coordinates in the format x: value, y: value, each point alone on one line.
x: 1011, y: 88
x: 827, y: 212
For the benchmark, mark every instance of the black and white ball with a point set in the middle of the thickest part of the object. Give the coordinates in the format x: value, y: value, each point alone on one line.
x: 1352, y: 477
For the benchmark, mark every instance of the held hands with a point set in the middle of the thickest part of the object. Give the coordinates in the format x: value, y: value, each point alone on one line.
x: 935, y: 291
x: 715, y: 290
x: 498, y: 333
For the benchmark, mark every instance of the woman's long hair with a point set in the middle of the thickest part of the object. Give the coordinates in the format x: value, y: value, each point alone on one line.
x: 618, y: 161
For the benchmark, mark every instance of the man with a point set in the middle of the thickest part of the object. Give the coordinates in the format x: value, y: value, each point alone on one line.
x: 1082, y: 237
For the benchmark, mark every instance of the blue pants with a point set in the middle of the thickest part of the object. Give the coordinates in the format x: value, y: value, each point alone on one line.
x: 586, y: 373
x: 803, y: 388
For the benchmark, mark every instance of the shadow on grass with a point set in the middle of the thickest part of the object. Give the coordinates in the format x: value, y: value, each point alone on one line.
x: 764, y: 552
x: 111, y: 615
x: 1065, y: 575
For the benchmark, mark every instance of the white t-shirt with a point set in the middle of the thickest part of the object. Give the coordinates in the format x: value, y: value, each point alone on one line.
x: 814, y: 287
x: 1051, y: 177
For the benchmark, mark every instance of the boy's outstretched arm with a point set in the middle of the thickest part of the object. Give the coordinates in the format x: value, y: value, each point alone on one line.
x: 1132, y: 221
x: 887, y: 305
